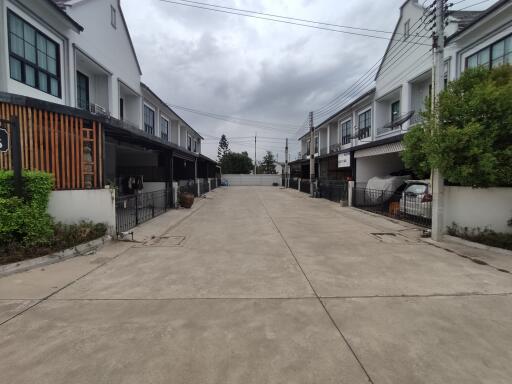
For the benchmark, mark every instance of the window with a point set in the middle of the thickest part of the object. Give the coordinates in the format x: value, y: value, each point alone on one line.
x: 395, y: 111
x: 33, y: 57
x: 308, y: 148
x: 493, y: 56
x: 189, y: 143
x: 195, y: 146
x: 164, y: 128
x: 113, y: 17
x: 121, y: 108
x: 407, y: 29
x: 316, y: 144
x: 82, y: 91
x: 365, y: 124
x: 346, y: 132
x: 149, y: 120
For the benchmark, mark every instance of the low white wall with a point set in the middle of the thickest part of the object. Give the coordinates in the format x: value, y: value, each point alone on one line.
x: 252, y: 180
x: 478, y: 207
x: 96, y: 205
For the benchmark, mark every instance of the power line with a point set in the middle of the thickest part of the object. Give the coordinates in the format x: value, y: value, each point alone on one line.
x: 288, y: 18
x: 473, y: 5
x: 277, y: 21
x: 336, y: 101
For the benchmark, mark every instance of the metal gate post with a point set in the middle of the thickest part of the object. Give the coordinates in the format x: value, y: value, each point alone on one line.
x: 136, y: 209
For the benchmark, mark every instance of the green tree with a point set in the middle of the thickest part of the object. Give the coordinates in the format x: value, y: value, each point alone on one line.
x: 223, y: 147
x: 473, y: 144
x: 267, y: 166
x: 236, y: 163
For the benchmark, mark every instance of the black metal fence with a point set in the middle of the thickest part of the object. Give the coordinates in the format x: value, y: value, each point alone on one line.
x: 189, y: 187
x: 333, y: 190
x: 203, y: 186
x: 304, y: 186
x: 133, y: 210
x: 293, y: 183
x: 416, y: 209
x: 213, y: 184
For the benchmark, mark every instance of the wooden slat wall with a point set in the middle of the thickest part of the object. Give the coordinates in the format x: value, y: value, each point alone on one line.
x: 68, y: 146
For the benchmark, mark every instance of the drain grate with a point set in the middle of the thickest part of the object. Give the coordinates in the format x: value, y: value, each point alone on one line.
x: 165, y: 241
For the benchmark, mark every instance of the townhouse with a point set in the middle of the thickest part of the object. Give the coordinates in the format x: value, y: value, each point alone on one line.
x: 364, y: 138
x: 70, y: 74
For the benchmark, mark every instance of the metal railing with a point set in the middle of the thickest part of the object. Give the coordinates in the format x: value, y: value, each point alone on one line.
x: 293, y: 183
x: 133, y: 210
x: 333, y: 190
x: 203, y: 186
x: 189, y: 186
x: 416, y: 209
x: 304, y: 186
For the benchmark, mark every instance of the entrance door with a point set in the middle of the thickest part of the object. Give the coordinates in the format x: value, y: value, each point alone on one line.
x: 82, y: 91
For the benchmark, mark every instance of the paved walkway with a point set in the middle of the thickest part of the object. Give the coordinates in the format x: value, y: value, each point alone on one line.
x: 260, y: 285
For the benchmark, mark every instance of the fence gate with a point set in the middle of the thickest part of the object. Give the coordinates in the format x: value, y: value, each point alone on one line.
x: 404, y: 206
x: 136, y: 209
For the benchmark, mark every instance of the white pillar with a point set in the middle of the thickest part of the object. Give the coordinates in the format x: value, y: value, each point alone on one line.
x: 350, y: 192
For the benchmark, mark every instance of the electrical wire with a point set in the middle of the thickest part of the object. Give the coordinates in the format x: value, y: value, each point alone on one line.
x: 277, y: 21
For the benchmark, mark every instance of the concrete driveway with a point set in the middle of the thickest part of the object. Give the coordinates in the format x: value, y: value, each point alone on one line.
x: 260, y: 285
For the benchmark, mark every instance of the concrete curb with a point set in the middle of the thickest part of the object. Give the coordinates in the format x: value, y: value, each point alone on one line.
x: 79, y: 250
x: 467, y: 243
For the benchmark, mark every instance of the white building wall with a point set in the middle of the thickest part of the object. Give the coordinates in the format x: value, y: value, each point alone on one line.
x: 108, y: 46
x: 96, y: 205
x: 478, y: 207
x: 381, y: 165
x: 42, y: 18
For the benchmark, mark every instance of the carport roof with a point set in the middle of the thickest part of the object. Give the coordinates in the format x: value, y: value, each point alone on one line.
x: 118, y: 128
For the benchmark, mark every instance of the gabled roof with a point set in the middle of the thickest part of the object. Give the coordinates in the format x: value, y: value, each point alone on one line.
x: 55, y: 5
x: 465, y: 18
x: 63, y: 4
x: 167, y: 106
x: 478, y: 17
x: 392, y: 39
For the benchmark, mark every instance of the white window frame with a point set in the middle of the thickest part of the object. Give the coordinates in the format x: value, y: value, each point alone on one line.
x: 113, y: 17
x: 371, y: 123
x: 340, y: 130
x: 407, y: 29
x: 164, y: 117
x: 154, y: 115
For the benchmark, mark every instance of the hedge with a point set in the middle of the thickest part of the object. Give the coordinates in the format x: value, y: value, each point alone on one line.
x: 24, y: 219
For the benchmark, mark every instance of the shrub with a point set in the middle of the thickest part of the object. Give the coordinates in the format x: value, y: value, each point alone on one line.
x: 485, y: 236
x: 25, y: 219
x: 473, y: 144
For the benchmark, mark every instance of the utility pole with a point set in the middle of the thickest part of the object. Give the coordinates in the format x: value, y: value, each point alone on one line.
x: 286, y: 164
x: 255, y: 154
x: 312, y: 154
x: 438, y: 40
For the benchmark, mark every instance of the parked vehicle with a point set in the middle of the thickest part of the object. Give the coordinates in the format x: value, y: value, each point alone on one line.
x: 417, y: 199
x: 380, y: 190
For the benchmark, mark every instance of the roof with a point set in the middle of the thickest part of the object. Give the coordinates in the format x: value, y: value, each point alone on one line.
x: 63, y: 4
x: 348, y: 106
x: 478, y: 17
x: 166, y: 105
x: 55, y: 4
x: 465, y: 18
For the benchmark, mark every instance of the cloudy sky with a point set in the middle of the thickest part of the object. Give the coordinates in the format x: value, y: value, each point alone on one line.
x: 256, y: 69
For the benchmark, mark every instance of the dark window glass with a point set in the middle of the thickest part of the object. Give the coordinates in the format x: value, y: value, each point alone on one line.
x: 316, y: 144
x: 34, y: 58
x: 149, y: 120
x: 365, y: 124
x: 395, y: 111
x: 493, y: 56
x: 121, y: 108
x: 113, y: 17
x: 189, y: 143
x: 164, y: 128
x: 346, y: 132
x: 82, y: 91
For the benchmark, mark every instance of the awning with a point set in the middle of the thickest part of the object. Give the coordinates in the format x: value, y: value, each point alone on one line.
x: 380, y: 150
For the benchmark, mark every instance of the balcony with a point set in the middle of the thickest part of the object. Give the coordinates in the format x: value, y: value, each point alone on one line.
x: 92, y: 85
x: 396, y: 124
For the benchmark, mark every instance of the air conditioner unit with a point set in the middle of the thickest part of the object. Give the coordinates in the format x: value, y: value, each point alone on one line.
x: 97, y: 109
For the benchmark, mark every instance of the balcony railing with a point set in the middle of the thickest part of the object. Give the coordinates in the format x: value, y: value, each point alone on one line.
x: 395, y: 124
